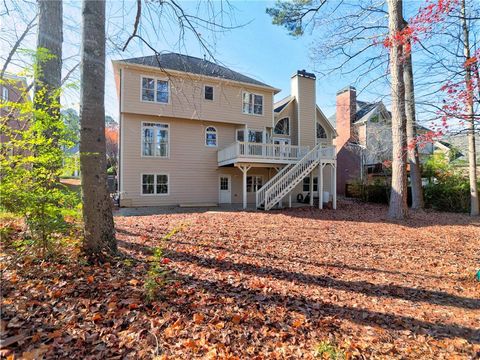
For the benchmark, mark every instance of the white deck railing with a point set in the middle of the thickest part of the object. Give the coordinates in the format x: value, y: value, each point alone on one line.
x: 261, y: 151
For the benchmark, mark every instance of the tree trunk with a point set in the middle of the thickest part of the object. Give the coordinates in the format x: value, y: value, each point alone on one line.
x: 472, y: 154
x: 99, y: 232
x: 398, y: 198
x: 48, y: 76
x: 413, y: 158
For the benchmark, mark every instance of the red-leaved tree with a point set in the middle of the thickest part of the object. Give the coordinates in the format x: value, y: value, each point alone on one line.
x: 111, y: 143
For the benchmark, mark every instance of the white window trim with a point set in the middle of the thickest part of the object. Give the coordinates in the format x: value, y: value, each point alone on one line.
x: 155, y: 184
x: 216, y: 138
x: 203, y: 92
x: 236, y: 134
x: 285, y: 117
x: 317, y: 184
x: 256, y: 176
x: 278, y: 138
x: 253, y: 113
x: 154, y: 137
x: 264, y: 135
x: 155, y: 90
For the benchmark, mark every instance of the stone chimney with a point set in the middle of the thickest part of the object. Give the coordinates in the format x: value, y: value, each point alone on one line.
x: 303, y: 89
x: 346, y: 110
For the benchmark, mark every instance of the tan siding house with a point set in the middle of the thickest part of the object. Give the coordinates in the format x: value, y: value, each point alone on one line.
x: 193, y: 132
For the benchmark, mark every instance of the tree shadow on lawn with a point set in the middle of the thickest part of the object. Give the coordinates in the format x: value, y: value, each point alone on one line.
x: 378, y: 214
x: 362, y: 287
x: 315, y: 310
x: 304, y: 262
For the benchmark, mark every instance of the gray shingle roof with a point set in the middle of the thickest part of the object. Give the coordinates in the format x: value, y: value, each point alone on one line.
x: 363, y: 108
x: 280, y: 105
x: 193, y: 65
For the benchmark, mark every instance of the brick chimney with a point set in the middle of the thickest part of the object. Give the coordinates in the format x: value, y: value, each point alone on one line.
x: 346, y: 110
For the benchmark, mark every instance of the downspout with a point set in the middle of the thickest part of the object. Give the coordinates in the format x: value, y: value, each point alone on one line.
x: 120, y: 133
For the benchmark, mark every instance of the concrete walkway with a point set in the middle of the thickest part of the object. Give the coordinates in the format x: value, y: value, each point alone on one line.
x: 158, y: 210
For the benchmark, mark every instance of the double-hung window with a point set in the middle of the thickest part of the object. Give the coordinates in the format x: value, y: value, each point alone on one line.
x: 252, y: 104
x: 155, y: 184
x: 155, y: 139
x: 155, y: 90
x: 256, y: 136
x: 254, y: 183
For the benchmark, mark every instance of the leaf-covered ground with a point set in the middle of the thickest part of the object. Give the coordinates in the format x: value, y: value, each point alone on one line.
x: 256, y: 285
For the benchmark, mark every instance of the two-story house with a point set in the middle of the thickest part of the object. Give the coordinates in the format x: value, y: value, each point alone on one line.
x: 193, y: 132
x: 364, y: 139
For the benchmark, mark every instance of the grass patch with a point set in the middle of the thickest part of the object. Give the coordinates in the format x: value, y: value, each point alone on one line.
x: 329, y: 351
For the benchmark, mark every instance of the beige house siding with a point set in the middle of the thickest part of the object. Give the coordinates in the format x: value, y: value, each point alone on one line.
x: 187, y: 100
x: 306, y: 109
x: 191, y: 165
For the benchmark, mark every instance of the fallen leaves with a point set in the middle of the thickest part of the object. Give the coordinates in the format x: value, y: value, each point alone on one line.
x: 198, y: 318
x: 257, y: 285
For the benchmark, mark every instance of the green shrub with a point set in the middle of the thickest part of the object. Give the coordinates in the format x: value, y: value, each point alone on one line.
x: 448, y: 193
x: 448, y: 188
x: 157, y: 275
x: 31, y: 163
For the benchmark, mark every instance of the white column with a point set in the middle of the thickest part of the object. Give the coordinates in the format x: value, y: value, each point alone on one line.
x: 280, y: 203
x: 244, y: 170
x: 334, y: 185
x: 320, y: 186
x: 311, y: 188
x: 290, y: 199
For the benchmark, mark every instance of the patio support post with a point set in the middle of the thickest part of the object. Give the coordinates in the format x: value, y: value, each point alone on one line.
x: 290, y: 199
x: 311, y: 188
x: 280, y: 203
x: 244, y: 169
x: 320, y: 186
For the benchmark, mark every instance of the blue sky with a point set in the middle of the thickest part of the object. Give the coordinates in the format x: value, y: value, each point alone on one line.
x: 259, y: 49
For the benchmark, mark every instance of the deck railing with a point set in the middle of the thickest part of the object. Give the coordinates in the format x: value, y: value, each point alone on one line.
x: 248, y: 150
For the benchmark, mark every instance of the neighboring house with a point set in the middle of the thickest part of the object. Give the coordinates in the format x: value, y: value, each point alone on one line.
x: 196, y: 133
x: 13, y: 90
x: 364, y: 136
x: 364, y: 140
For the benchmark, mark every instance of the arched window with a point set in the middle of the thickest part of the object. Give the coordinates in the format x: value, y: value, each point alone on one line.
x: 321, y: 133
x: 211, y: 136
x: 282, y: 127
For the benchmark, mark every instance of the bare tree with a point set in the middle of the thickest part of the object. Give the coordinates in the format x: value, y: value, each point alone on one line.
x: 48, y: 76
x: 99, y: 232
x: 472, y: 161
x: 413, y: 157
x: 398, y: 197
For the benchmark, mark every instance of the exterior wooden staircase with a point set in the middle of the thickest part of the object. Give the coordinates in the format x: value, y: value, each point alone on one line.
x: 287, y: 179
